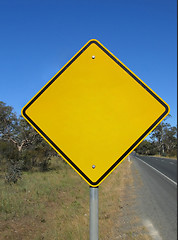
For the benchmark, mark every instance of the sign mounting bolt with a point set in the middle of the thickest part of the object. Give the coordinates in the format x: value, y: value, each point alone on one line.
x: 93, y: 57
x: 93, y: 166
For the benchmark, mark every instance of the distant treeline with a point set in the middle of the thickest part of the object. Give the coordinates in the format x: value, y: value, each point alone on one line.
x: 162, y: 141
x: 23, y: 149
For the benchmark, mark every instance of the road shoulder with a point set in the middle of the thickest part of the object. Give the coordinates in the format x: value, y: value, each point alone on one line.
x: 128, y: 223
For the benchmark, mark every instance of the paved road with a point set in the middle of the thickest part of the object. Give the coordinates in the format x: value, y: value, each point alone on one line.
x: 165, y: 165
x: 157, y: 195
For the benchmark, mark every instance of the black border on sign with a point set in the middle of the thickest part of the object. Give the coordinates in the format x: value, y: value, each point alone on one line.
x: 136, y: 142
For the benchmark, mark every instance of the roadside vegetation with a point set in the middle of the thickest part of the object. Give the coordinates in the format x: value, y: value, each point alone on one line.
x: 21, y: 147
x: 162, y: 141
x: 55, y: 205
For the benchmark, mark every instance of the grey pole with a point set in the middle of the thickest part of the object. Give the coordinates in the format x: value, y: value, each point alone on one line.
x: 93, y: 213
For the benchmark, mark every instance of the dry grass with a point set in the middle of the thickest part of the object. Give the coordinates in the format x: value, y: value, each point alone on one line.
x: 55, y: 205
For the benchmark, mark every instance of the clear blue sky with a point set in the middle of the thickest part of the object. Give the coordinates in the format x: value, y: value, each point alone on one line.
x: 37, y: 37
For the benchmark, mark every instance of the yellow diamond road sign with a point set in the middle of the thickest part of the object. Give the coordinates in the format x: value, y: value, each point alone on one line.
x: 94, y: 112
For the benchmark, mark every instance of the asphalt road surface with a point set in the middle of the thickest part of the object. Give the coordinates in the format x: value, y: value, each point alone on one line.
x: 156, y: 185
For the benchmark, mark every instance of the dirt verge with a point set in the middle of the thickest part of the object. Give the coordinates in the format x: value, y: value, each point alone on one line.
x: 128, y: 224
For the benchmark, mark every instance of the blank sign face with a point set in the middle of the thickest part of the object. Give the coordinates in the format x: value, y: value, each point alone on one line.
x: 94, y: 112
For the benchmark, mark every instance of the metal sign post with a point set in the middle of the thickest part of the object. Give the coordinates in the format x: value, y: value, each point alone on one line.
x: 93, y: 213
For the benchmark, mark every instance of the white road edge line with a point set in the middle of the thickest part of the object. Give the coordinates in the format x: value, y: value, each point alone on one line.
x: 157, y: 171
x: 152, y: 231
